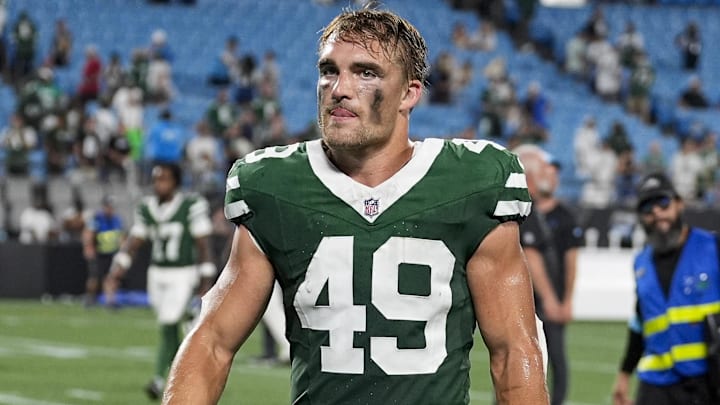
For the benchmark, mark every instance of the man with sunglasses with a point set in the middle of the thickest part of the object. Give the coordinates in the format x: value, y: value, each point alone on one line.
x: 677, y: 286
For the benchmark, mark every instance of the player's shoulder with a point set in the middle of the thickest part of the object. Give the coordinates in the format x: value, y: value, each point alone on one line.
x: 475, y: 159
x: 269, y: 159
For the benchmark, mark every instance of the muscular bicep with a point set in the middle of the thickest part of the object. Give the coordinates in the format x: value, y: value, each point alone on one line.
x: 501, y: 289
x: 235, y: 304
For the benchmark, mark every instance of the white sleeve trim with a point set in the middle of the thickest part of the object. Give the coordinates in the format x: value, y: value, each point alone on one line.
x: 236, y: 209
x: 516, y: 180
x: 515, y: 207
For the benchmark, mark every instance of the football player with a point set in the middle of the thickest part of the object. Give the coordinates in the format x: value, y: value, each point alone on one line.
x: 389, y: 252
x: 178, y: 227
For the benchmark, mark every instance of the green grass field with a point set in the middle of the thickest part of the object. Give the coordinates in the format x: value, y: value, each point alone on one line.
x: 62, y: 353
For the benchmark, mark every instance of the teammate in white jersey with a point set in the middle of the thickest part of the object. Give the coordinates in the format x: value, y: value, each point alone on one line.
x: 389, y: 253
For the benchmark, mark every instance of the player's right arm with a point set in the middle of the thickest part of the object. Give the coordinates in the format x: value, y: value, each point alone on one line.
x: 230, y: 311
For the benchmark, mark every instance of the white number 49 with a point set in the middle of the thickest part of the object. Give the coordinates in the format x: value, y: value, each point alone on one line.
x: 332, y: 264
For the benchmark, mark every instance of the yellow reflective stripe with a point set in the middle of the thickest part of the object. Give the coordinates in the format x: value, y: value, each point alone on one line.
x: 655, y: 325
x: 676, y: 315
x: 678, y: 353
x: 692, y: 313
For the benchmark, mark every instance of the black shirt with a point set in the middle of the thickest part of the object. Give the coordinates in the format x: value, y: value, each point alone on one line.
x: 553, y: 234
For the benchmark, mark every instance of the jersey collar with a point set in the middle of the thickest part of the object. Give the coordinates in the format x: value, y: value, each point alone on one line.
x: 371, y: 202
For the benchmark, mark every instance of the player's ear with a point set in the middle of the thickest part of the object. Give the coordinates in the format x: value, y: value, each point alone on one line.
x: 412, y: 95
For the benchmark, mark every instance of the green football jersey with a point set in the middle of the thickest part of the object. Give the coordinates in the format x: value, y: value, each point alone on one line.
x: 374, y: 283
x: 172, y: 227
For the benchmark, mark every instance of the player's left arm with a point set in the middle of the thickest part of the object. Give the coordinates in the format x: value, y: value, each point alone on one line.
x: 501, y: 290
x: 206, y: 266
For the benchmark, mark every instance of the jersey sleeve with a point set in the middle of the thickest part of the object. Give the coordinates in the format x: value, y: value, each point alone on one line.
x: 512, y: 201
x: 199, y: 218
x: 139, y: 228
x: 236, y: 209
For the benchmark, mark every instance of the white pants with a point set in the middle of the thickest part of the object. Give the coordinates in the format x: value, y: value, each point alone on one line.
x: 170, y: 290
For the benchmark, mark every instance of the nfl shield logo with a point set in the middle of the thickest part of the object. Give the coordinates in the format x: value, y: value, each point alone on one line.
x: 372, y: 207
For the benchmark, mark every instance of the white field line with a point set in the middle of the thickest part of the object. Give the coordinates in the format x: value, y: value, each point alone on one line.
x: 12, y: 399
x: 47, y: 348
x: 87, y: 395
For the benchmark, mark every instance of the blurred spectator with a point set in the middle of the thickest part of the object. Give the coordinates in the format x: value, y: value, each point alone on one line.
x: 441, y: 78
x: 685, y: 169
x: 608, y: 73
x: 654, y: 161
x: 690, y: 44
x: 527, y: 132
x: 630, y: 43
x: 270, y: 71
x: 160, y: 87
x: 485, y: 39
x: 598, y: 191
x: 117, y: 160
x: 88, y: 150
x: 246, y: 80
x: 642, y: 79
x: 40, y: 98
x: 596, y: 26
x: 58, y: 144
x: 464, y: 76
x: 226, y: 68
x: 266, y: 105
x: 139, y: 68
x: 238, y: 139
x: 708, y: 153
x: 166, y: 140
x: 159, y: 46
x: 106, y: 121
x: 102, y: 238
x: 536, y: 104
x: 693, y: 96
x: 626, y: 179
x: 221, y: 114
x: 460, y: 36
x: 37, y: 224
x: 575, y: 55
x: 24, y: 42
x: 202, y: 155
x: 618, y: 139
x: 128, y: 103
x: 89, y: 88
x: 61, y: 46
x: 113, y: 75
x: 18, y: 140
x: 72, y: 220
x: 275, y: 134
x: 586, y: 144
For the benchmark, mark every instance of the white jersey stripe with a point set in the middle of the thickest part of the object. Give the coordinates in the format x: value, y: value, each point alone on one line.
x: 236, y: 209
x: 516, y: 180
x: 232, y: 183
x: 515, y: 207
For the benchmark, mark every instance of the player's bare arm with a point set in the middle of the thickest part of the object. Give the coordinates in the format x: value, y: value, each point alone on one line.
x: 120, y: 265
x: 501, y: 290
x: 205, y: 263
x: 230, y: 311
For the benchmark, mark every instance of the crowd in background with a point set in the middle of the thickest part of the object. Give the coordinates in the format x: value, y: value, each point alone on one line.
x: 101, y: 131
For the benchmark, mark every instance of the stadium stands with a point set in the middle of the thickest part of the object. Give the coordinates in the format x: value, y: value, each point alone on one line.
x: 196, y: 34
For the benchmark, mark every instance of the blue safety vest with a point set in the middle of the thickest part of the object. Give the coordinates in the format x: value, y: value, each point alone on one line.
x: 673, y: 326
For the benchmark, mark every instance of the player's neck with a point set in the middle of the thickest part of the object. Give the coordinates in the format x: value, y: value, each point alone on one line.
x: 374, y: 166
